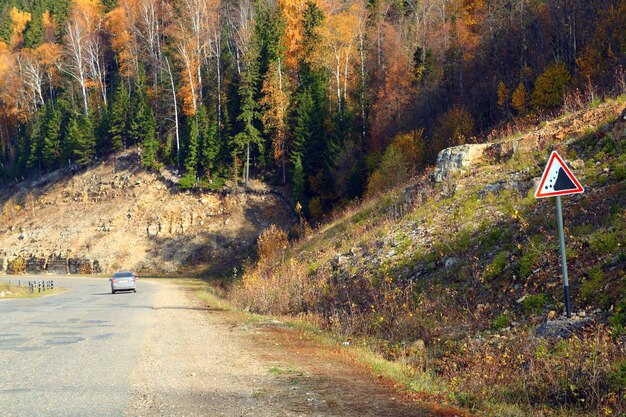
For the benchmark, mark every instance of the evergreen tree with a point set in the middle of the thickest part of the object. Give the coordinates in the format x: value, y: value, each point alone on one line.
x: 150, y: 142
x: 34, y: 33
x: 51, y: 151
x: 37, y: 131
x: 249, y: 134
x: 209, y: 147
x: 85, y: 141
x: 138, y: 116
x: 298, y: 182
x: 191, y: 153
x: 118, y: 119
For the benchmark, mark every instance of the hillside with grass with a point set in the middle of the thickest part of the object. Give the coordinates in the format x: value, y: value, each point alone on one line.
x: 458, y: 282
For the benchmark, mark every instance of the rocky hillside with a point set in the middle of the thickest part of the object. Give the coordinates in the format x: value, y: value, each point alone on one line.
x: 116, y: 215
x: 457, y: 276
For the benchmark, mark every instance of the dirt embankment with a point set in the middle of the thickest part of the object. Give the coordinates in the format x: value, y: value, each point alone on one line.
x: 117, y: 216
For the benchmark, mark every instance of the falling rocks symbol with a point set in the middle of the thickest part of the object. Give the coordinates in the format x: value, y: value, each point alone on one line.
x: 563, y: 182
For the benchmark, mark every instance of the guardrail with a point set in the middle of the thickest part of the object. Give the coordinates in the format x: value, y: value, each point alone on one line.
x: 36, y: 286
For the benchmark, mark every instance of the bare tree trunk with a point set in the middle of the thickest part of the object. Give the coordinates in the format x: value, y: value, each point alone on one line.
x: 169, y: 71
x: 75, y: 68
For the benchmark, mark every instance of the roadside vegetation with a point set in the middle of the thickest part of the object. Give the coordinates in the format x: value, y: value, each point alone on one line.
x: 9, y: 290
x: 452, y: 285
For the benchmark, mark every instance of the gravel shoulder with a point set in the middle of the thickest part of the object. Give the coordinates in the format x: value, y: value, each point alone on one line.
x: 198, y: 360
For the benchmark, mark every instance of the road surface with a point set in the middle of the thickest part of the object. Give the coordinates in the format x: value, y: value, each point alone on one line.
x: 71, y: 354
x: 162, y: 352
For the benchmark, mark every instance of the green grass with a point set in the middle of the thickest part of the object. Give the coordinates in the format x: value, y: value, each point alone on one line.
x: 533, y: 305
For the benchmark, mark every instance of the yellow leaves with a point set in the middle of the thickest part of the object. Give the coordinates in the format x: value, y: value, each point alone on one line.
x: 276, y: 103
x: 47, y: 19
x: 20, y: 19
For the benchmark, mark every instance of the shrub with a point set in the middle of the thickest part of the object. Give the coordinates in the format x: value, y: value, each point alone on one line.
x: 617, y: 321
x: 271, y: 244
x: 393, y: 170
x: 187, y: 182
x: 497, y: 265
x: 502, y: 321
x: 412, y: 147
x: 534, y: 304
x: 550, y: 87
x: 17, y: 266
x: 603, y: 243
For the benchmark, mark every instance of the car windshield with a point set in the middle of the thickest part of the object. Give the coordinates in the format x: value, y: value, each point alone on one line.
x: 123, y: 275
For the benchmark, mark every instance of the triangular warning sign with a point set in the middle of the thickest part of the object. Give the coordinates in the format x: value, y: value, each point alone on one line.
x: 557, y: 179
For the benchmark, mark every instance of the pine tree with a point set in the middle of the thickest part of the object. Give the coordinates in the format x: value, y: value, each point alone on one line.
x: 249, y: 116
x: 37, y: 132
x: 191, y: 154
x: 85, y: 141
x: 298, y: 183
x: 118, y: 119
x: 150, y: 143
x: 139, y: 112
x: 209, y: 147
x: 51, y: 151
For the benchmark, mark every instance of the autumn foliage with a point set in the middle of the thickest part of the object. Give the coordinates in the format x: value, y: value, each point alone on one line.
x: 305, y: 93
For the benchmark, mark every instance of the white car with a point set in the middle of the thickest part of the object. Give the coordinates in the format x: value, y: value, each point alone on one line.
x: 123, y: 281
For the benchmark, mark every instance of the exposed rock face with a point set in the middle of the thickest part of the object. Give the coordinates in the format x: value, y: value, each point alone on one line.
x: 57, y: 264
x: 80, y: 266
x: 35, y: 265
x: 3, y: 265
x: 456, y: 158
x: 118, y: 216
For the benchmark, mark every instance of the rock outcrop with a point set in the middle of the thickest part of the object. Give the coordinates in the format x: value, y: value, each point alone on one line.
x: 456, y: 158
x: 118, y: 216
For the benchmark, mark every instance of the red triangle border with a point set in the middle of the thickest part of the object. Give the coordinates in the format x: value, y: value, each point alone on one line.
x: 579, y: 188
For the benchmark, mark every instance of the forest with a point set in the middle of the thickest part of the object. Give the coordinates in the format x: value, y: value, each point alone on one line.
x: 334, y: 98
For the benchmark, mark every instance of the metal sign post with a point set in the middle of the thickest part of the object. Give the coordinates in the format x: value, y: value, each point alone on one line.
x: 559, y: 216
x: 558, y: 180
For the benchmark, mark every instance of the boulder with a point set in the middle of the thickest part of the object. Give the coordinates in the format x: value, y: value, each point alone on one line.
x: 563, y: 328
x: 454, y: 159
x: 3, y: 265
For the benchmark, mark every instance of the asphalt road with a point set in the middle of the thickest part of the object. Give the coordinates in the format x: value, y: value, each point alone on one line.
x: 71, y: 354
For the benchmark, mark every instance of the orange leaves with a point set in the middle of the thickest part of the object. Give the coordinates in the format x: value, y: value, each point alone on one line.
x: 120, y: 26
x: 395, y: 92
x: 275, y: 102
x: 294, y: 30
x: 49, y: 25
x: 48, y: 53
x: 187, y: 95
